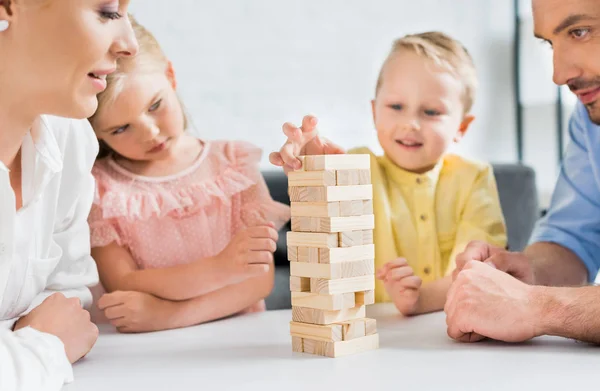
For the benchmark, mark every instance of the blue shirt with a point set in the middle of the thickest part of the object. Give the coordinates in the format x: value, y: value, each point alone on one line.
x: 573, y: 220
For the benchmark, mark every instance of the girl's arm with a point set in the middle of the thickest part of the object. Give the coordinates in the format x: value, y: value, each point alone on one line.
x: 118, y: 272
x: 141, y: 312
x: 248, y: 254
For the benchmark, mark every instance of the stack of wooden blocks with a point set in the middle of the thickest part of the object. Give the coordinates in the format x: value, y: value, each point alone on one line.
x: 332, y: 256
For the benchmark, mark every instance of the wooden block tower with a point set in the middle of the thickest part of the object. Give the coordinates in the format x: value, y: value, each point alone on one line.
x: 332, y: 256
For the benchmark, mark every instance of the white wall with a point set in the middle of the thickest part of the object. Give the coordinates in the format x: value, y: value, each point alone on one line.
x: 247, y: 66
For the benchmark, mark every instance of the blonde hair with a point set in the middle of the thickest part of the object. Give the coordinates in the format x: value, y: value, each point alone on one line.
x: 149, y: 59
x: 445, y: 52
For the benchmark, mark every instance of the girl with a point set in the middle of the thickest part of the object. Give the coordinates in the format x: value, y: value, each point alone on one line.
x: 54, y: 55
x: 182, y: 229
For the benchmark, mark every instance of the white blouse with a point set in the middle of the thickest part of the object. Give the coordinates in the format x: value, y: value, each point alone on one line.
x: 44, y: 247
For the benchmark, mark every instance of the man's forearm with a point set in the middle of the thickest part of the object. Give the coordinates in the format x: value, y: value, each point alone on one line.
x: 554, y: 265
x: 568, y: 312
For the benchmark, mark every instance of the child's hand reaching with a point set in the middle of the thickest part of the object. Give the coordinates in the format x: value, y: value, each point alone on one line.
x: 249, y: 254
x: 135, y: 312
x: 302, y: 141
x: 401, y: 284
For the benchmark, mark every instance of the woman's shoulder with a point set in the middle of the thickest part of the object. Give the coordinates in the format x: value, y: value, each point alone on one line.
x: 75, y: 140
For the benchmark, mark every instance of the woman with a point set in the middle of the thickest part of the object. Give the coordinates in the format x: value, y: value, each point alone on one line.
x: 54, y: 58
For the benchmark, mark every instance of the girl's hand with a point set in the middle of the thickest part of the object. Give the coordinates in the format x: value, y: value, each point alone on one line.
x: 302, y: 141
x: 250, y: 253
x: 401, y: 284
x: 135, y: 312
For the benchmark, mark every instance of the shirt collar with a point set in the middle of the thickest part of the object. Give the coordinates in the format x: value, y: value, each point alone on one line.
x: 407, y: 178
x: 41, y: 158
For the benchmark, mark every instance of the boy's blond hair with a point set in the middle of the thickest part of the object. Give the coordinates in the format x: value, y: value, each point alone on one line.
x: 149, y: 59
x: 443, y: 51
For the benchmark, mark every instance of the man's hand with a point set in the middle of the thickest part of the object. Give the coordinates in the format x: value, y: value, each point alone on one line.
x: 515, y: 264
x: 485, y: 302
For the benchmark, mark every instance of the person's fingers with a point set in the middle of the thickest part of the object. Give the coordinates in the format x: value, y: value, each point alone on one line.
x: 474, y: 251
x: 398, y: 273
x: 292, y: 132
x: 276, y: 159
x: 262, y: 244
x: 263, y: 231
x: 411, y: 282
x: 309, y: 124
x: 115, y: 312
x: 289, y: 153
x: 111, y: 299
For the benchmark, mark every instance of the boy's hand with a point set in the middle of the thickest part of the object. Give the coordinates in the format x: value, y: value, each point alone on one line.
x: 401, y: 284
x: 302, y: 141
x: 135, y: 312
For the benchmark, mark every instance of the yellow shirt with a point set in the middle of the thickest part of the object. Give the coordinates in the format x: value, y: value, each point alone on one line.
x: 430, y: 218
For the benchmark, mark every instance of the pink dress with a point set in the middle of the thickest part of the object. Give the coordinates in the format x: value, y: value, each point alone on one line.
x: 168, y: 221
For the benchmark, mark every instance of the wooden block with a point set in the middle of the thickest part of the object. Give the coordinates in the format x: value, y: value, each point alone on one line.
x: 355, y: 253
x: 316, y: 316
x: 337, y: 162
x: 353, y: 329
x: 308, y: 254
x: 297, y: 345
x: 292, y: 253
x: 333, y: 224
x: 333, y: 270
x: 351, y: 269
x: 367, y: 237
x: 344, y: 285
x: 315, y: 270
x: 315, y: 209
x: 353, y: 177
x: 355, y: 238
x: 312, y: 178
x: 352, y: 208
x: 327, y: 333
x: 330, y: 193
x: 324, y: 302
x: 370, y: 326
x: 299, y: 284
x: 364, y: 298
x: 318, y: 348
x: 343, y: 348
x: 367, y: 207
x: 306, y: 239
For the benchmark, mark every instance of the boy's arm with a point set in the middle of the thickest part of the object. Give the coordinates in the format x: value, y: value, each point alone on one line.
x: 432, y: 296
x: 482, y: 217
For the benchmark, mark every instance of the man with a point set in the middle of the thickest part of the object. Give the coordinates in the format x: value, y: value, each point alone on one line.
x: 517, y: 296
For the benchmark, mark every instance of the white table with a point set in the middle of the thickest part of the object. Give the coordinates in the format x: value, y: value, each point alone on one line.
x: 253, y: 352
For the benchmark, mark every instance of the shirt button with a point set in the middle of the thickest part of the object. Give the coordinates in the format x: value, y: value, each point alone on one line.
x: 427, y: 270
x: 419, y: 181
x: 423, y: 217
x: 2, y: 248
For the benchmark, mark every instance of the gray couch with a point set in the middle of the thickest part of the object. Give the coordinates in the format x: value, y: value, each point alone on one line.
x: 518, y: 197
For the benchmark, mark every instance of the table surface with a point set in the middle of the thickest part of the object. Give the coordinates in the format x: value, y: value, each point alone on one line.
x: 253, y: 352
